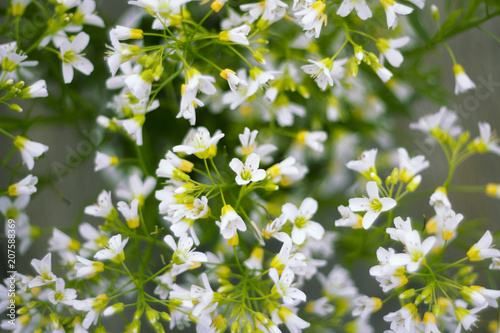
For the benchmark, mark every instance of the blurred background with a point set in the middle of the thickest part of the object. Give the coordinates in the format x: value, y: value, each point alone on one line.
x: 60, y: 202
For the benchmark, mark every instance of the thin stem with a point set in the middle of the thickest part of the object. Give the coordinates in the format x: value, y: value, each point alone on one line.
x: 7, y: 133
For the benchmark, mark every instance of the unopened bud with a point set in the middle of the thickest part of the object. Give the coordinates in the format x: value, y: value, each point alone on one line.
x: 435, y: 13
x: 407, y: 294
x: 259, y: 57
x: 15, y: 107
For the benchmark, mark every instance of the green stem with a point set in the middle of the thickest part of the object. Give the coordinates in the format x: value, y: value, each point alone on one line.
x: 7, y: 133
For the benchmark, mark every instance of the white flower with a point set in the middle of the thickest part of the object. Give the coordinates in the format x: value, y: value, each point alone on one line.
x: 300, y: 217
x: 86, y: 15
x: 450, y: 222
x: 364, y: 306
x: 44, y: 269
x: 204, y: 83
x: 140, y: 84
x: 373, y: 205
x: 203, y: 297
x: 286, y: 110
x: 95, y: 239
x: 286, y: 170
x: 365, y: 164
x: 120, y: 53
x: 87, y: 267
x: 273, y: 229
x: 29, y: 150
x: 36, y: 90
x: 325, y: 71
x: 462, y: 80
x: 255, y: 259
x: 93, y: 307
x: 483, y: 249
x: 287, y: 315
x: 444, y: 120
x: 62, y: 295
x: 131, y: 213
x: 258, y: 78
x: 383, y: 73
x: 200, y: 209
x: 288, y: 257
x: 430, y: 323
x: 237, y: 35
x: 388, y: 47
x: 495, y: 263
x: 165, y: 282
x: 467, y: 318
x: 391, y: 9
x: 349, y: 218
x: 338, y: 284
x: 410, y: 167
x: 387, y: 273
x: 135, y: 188
x: 361, y: 7
x: 102, y: 161
x: 283, y: 286
x: 402, y: 228
x: 312, y: 18
x: 230, y: 222
x: 439, y: 200
x: 24, y: 186
x: 417, y: 250
x: 62, y: 242
x: 123, y: 33
x: 487, y: 141
x: 313, y: 140
x: 247, y: 140
x: 179, y: 163
x: 133, y: 127
x: 184, y: 256
x: 200, y: 143
x: 103, y: 207
x: 71, y: 57
x: 249, y: 171
x: 402, y: 320
x: 235, y: 82
x: 25, y: 233
x: 114, y: 250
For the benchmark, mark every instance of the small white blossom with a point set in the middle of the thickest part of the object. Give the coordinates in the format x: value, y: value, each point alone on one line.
x: 373, y: 205
x: 463, y: 82
x: 72, y: 57
x: 24, y: 186
x: 249, y: 171
x: 114, y: 249
x: 29, y: 150
x: 483, y: 249
x: 237, y: 35
x: 284, y: 287
x: 361, y: 7
x: 300, y: 217
x: 44, y: 269
x: 62, y: 295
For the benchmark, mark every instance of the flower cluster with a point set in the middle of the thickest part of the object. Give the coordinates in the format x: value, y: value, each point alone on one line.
x: 219, y: 209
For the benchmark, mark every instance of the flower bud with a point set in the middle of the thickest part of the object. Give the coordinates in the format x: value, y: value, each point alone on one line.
x: 259, y: 58
x: 15, y: 107
x: 414, y: 183
x: 165, y: 316
x: 407, y: 293
x: 435, y: 13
